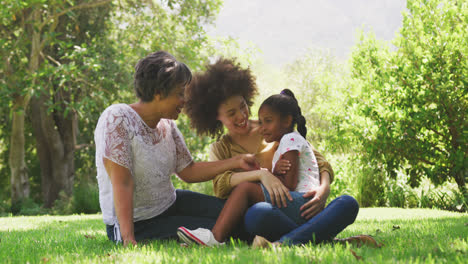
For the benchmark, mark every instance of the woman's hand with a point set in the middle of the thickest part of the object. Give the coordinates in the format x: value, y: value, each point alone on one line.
x: 248, y: 162
x: 320, y: 196
x: 278, y: 192
x: 127, y: 242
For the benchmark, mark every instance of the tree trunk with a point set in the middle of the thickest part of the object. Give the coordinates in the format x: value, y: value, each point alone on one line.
x: 55, y: 139
x: 19, y: 175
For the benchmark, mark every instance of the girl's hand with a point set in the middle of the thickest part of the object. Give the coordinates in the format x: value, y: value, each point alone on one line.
x: 282, y: 166
x: 278, y: 192
x: 316, y: 204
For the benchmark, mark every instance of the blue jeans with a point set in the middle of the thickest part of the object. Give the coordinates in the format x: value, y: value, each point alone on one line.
x: 268, y: 221
x: 191, y: 209
x: 292, y: 210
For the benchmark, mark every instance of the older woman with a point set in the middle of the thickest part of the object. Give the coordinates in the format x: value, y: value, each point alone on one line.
x: 220, y: 98
x: 138, y: 148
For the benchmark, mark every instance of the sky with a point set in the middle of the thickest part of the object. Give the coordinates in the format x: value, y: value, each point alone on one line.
x: 285, y: 29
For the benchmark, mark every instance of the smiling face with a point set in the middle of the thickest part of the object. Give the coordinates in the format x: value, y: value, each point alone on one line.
x: 172, y: 104
x: 234, y: 114
x: 272, y: 125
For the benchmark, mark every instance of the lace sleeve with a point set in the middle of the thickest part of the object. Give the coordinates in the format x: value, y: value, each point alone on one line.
x: 183, y: 156
x: 118, y: 147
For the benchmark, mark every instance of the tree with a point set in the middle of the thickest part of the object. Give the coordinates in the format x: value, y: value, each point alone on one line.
x: 319, y: 82
x: 29, y: 28
x: 415, y: 99
x: 67, y: 60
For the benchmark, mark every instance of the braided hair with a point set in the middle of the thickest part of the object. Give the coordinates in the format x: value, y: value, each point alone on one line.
x: 285, y: 103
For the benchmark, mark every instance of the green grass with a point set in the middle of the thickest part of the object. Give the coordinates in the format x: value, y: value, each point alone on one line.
x: 408, y: 235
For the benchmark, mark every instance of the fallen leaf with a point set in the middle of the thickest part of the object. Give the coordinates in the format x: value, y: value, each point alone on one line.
x: 355, y: 255
x: 90, y: 237
x: 45, y: 260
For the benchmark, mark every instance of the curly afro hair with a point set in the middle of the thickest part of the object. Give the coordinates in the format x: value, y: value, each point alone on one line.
x: 221, y: 80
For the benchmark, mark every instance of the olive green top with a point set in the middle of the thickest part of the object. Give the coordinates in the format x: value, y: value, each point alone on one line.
x: 225, y: 148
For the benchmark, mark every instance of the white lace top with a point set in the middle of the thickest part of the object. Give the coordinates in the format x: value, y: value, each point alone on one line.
x: 151, y: 155
x: 308, y: 169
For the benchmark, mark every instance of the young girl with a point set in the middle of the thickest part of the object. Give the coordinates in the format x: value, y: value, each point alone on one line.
x: 278, y: 115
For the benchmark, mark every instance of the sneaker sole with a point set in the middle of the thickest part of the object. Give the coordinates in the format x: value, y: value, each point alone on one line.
x: 187, y: 237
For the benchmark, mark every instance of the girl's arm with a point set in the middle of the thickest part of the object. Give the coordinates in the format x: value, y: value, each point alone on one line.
x: 122, y: 188
x: 272, y: 183
x: 290, y: 177
x: 224, y: 182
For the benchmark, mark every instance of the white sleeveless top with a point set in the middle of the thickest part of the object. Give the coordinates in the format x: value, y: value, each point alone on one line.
x: 308, y: 173
x: 151, y: 155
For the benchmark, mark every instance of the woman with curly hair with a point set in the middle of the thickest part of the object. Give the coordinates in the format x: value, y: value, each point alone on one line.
x: 219, y: 99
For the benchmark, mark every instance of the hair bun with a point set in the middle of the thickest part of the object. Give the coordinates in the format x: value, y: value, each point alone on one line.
x: 288, y: 93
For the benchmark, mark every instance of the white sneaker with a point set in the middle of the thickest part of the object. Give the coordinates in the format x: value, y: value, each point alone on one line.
x: 201, y: 236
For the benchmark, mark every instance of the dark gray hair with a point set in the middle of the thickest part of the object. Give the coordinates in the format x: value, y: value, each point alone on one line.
x: 159, y: 73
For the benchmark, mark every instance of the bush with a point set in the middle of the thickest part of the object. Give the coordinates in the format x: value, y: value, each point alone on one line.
x: 370, y: 187
x: 445, y: 197
x: 63, y: 205
x: 4, y: 208
x: 86, y: 199
x: 27, y: 206
x: 345, y: 175
x: 398, y: 193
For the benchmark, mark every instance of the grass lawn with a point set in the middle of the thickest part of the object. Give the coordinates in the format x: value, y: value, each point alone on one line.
x: 408, y: 235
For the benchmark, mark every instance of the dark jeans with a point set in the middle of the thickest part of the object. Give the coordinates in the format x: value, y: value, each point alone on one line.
x: 194, y: 210
x: 293, y: 209
x: 191, y: 209
x: 268, y: 221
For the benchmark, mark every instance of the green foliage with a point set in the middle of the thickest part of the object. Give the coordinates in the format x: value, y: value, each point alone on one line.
x: 446, y: 196
x: 176, y: 26
x: 414, y: 100
x: 319, y: 82
x: 198, y: 147
x: 86, y: 61
x: 27, y: 206
x: 370, y: 187
x: 85, y: 199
